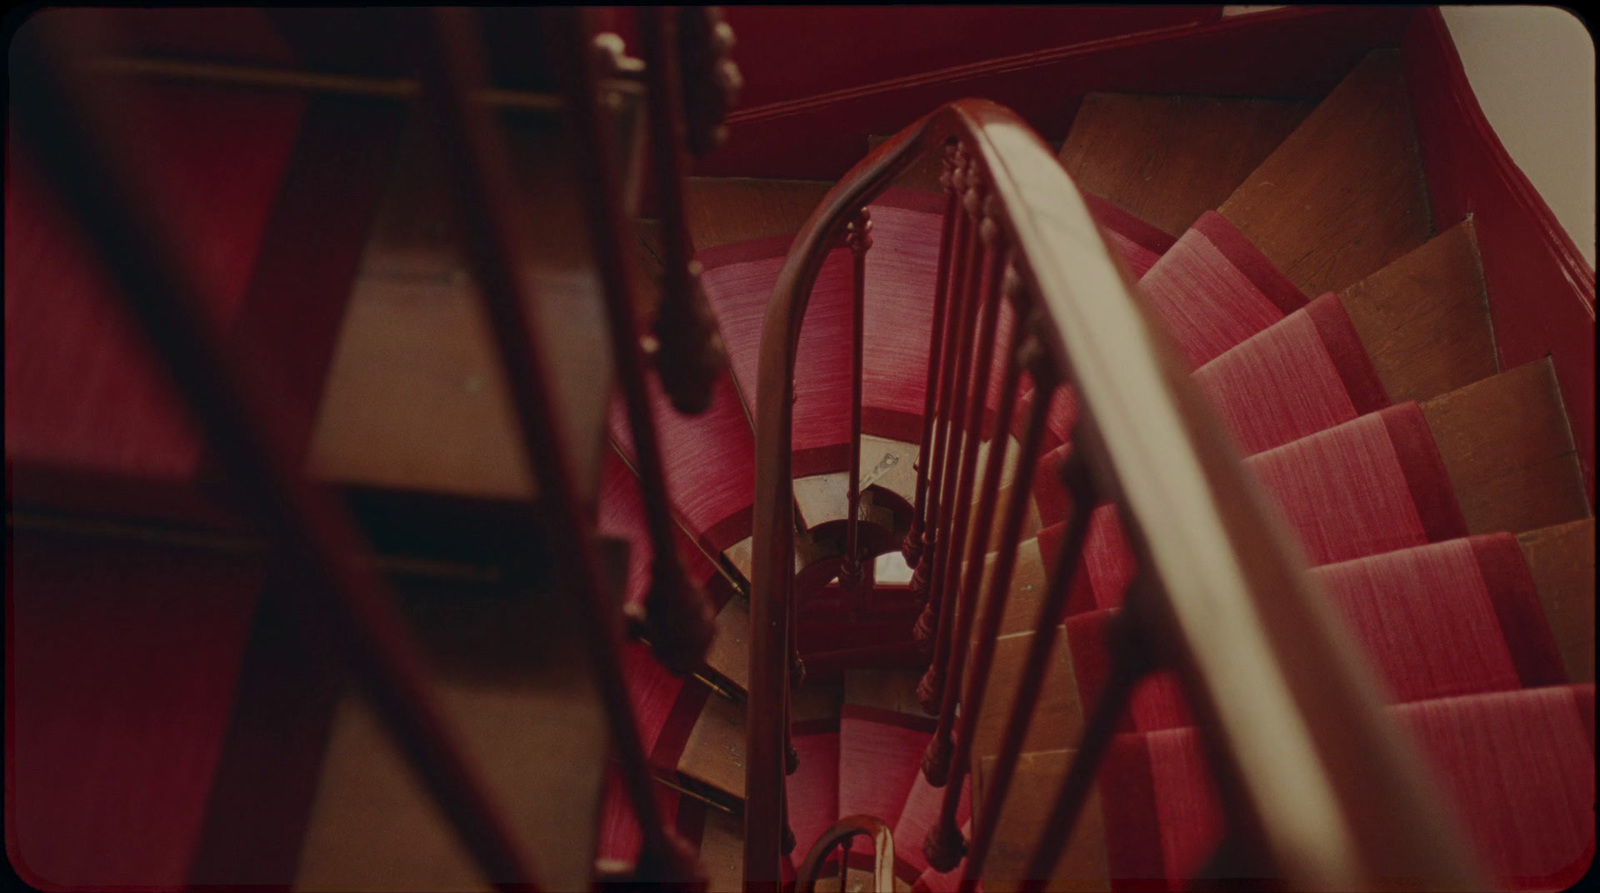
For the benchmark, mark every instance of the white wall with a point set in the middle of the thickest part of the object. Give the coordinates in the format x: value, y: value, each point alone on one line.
x: 1532, y: 68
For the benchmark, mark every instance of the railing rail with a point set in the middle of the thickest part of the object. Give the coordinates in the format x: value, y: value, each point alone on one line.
x: 1314, y: 781
x: 839, y: 836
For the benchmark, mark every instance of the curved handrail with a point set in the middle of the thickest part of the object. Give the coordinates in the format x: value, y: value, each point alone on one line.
x: 841, y: 831
x: 1311, y: 769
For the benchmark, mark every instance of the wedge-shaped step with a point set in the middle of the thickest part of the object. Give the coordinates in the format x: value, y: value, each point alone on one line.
x: 1371, y: 485
x: 880, y: 754
x: 1027, y: 806
x: 1306, y: 373
x: 883, y: 688
x: 1343, y: 195
x: 1424, y: 319
x: 708, y: 461
x: 713, y: 755
x: 722, y: 211
x: 1058, y: 713
x: 1169, y: 159
x: 512, y: 674
x: 416, y: 398
x: 1562, y: 561
x: 1508, y: 447
x: 1138, y: 243
x: 1214, y: 289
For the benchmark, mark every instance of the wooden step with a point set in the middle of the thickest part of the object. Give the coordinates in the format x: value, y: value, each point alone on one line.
x: 511, y: 673
x: 1509, y: 452
x: 714, y: 753
x: 416, y: 399
x: 729, y: 654
x: 922, y: 174
x: 885, y: 688
x: 1058, y: 712
x: 1029, y: 799
x: 722, y: 852
x: 1168, y: 159
x: 723, y: 210
x: 1561, y: 559
x: 1343, y: 195
x: 713, y: 756
x: 1424, y: 319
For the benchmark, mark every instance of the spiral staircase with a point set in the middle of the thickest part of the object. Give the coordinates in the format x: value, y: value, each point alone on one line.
x: 172, y: 722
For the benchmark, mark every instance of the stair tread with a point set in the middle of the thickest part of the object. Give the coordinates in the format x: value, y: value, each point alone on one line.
x: 884, y: 688
x: 880, y: 756
x: 1029, y: 799
x: 714, y: 751
x: 371, y: 823
x: 1374, y: 484
x: 416, y: 397
x: 708, y: 460
x: 1168, y: 159
x: 724, y: 210
x: 1213, y: 289
x: 1425, y: 318
x: 1508, y: 448
x: 1305, y: 373
x: 1343, y: 195
x: 1561, y: 560
x: 1058, y: 714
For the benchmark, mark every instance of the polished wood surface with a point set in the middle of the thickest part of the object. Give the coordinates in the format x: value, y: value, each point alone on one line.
x: 1082, y: 867
x: 737, y: 209
x: 1344, y: 194
x: 729, y: 654
x: 880, y: 842
x: 1541, y: 289
x: 715, y: 751
x: 1509, y: 452
x: 889, y: 689
x: 1424, y: 319
x: 1058, y: 711
x: 511, y: 673
x: 1562, y: 561
x: 1169, y: 159
x: 416, y: 398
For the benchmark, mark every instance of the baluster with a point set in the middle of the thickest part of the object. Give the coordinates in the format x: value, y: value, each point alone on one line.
x: 914, y: 544
x: 72, y: 132
x: 1075, y: 475
x: 688, y: 354
x: 1130, y: 661
x: 858, y: 237
x: 963, y: 258
x: 844, y: 863
x: 680, y: 618
x: 711, y: 80
x: 941, y: 495
x: 975, y: 350
x: 679, y: 622
x: 936, y: 759
x: 944, y: 845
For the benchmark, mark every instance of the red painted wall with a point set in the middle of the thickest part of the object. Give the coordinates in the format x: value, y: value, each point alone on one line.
x: 1294, y: 52
x: 792, y: 52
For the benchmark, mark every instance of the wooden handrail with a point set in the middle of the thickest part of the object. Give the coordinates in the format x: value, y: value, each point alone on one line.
x: 882, y: 852
x: 1309, y: 769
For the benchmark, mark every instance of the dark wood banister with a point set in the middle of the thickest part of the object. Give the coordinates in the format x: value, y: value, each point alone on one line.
x: 1309, y: 767
x: 839, y: 835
